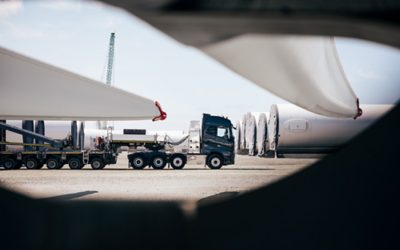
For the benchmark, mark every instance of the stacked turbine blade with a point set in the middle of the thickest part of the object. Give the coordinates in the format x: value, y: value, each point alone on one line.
x: 288, y: 129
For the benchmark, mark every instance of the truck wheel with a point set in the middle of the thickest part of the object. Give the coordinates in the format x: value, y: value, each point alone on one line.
x: 31, y: 163
x: 138, y: 162
x: 9, y: 163
x: 214, y: 161
x: 158, y: 162
x: 75, y: 163
x: 97, y: 163
x: 53, y: 163
x: 178, y: 162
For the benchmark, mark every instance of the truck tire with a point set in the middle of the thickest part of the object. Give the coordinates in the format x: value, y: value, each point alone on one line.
x: 214, y: 161
x: 9, y: 163
x: 53, y: 163
x: 178, y: 161
x: 31, y: 163
x: 158, y: 161
x: 138, y: 162
x: 75, y: 163
x: 97, y: 163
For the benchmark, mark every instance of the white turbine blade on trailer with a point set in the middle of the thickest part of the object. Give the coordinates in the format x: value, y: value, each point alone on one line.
x: 295, y: 130
x: 30, y: 89
x: 304, y: 70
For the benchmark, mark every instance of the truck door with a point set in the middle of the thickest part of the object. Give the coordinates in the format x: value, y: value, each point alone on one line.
x: 217, y: 138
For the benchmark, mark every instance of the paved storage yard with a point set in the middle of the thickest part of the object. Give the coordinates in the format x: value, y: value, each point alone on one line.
x: 117, y: 182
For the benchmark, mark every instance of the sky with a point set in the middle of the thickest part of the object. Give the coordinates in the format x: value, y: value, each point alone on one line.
x: 75, y: 35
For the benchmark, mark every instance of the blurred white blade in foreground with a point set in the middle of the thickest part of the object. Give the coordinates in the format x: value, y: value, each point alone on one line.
x: 304, y: 70
x: 30, y: 89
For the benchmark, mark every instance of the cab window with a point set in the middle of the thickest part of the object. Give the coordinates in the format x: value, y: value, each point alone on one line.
x: 222, y: 132
x: 212, y: 130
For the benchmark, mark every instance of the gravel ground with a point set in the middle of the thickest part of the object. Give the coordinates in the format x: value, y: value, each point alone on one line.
x: 117, y: 182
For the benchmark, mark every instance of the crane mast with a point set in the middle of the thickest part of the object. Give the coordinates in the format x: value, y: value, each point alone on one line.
x: 110, y: 63
x: 110, y: 58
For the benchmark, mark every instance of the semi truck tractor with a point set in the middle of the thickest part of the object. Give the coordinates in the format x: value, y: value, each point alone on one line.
x: 212, y: 138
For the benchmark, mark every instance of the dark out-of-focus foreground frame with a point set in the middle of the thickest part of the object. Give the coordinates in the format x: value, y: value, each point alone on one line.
x: 348, y: 200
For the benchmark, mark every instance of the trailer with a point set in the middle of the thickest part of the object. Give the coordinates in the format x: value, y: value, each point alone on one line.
x: 213, y: 139
x: 54, y: 153
x: 56, y: 159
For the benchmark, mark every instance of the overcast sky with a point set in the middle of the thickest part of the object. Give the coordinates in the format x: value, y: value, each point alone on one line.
x: 75, y: 35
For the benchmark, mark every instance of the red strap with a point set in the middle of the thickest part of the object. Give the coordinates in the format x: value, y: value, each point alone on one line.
x: 162, y: 115
x: 359, y: 110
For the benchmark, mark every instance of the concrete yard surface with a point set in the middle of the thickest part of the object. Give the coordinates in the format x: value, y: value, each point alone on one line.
x: 118, y: 182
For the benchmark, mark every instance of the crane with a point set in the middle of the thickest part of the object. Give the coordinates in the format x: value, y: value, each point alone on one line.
x: 110, y: 58
x: 110, y: 63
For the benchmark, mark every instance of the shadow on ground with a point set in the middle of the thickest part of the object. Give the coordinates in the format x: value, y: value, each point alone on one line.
x: 66, y: 197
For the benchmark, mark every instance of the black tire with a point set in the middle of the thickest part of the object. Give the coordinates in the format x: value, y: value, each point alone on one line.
x: 53, y: 163
x: 214, y: 161
x: 158, y: 161
x: 138, y: 162
x: 75, y: 163
x: 9, y: 163
x: 178, y: 161
x: 97, y: 163
x: 31, y: 163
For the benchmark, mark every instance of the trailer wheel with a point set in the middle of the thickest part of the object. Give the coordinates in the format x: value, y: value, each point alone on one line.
x: 75, y: 163
x: 53, y: 163
x: 214, y: 161
x: 178, y: 161
x: 31, y: 163
x: 138, y: 162
x: 158, y: 162
x: 97, y: 163
x: 9, y: 163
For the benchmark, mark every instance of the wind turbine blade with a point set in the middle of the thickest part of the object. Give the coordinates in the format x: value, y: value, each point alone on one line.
x: 33, y: 90
x: 304, y: 70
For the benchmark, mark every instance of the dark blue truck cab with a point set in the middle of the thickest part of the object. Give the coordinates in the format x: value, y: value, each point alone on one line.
x: 217, y: 141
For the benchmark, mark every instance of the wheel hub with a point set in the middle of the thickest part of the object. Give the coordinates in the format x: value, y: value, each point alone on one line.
x: 74, y: 164
x: 178, y: 162
x: 215, y: 162
x: 138, y: 162
x: 30, y: 164
x: 158, y: 162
